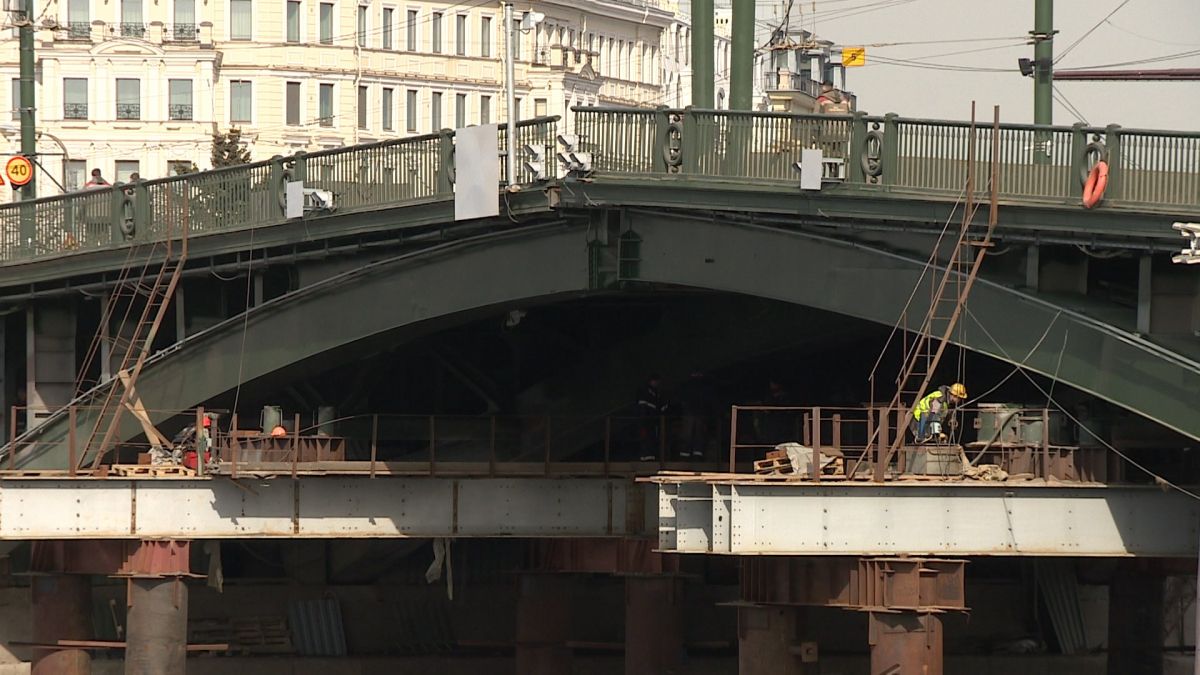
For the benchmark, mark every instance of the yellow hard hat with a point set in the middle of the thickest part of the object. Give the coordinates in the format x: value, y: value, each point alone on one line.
x: 957, y: 389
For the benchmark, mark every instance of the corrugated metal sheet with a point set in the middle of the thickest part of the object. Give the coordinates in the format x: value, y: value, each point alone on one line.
x: 1060, y: 591
x: 317, y: 627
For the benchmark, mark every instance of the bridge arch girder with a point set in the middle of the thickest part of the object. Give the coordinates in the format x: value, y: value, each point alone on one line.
x: 415, y: 294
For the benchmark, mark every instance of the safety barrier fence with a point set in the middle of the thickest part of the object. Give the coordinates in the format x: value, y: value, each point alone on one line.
x: 385, y: 443
x: 1025, y: 442
x: 359, y: 178
x: 919, y: 158
x: 1037, y: 163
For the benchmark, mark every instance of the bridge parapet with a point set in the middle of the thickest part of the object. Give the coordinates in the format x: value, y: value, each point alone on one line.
x: 1147, y: 169
x: 364, y: 177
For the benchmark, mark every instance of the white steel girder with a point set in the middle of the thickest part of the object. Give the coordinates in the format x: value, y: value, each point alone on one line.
x: 958, y: 520
x: 322, y: 507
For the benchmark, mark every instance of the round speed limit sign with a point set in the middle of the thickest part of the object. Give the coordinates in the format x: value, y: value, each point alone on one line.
x: 19, y: 170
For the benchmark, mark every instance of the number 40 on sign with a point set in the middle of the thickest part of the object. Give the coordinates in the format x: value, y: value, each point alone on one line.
x: 19, y: 171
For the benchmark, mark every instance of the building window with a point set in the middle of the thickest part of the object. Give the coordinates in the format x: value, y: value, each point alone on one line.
x: 435, y: 112
x: 387, y: 106
x: 539, y: 107
x: 79, y: 19
x: 485, y: 109
x: 485, y: 37
x: 76, y: 174
x: 75, y: 98
x: 460, y: 35
x: 460, y: 111
x: 387, y: 27
x: 436, y: 30
x: 241, y: 20
x: 293, y: 21
x: 410, y: 108
x: 362, y: 107
x: 517, y: 44
x: 326, y: 103
x: 16, y: 98
x: 326, y: 23
x: 180, y: 106
x: 410, y: 30
x: 131, y: 19
x: 126, y: 168
x: 516, y: 117
x: 293, y: 103
x: 362, y: 25
x: 239, y: 101
x: 184, y: 15
x: 129, y: 99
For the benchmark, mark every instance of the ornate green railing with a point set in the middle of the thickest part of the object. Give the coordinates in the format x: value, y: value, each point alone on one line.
x: 361, y: 178
x: 1147, y: 169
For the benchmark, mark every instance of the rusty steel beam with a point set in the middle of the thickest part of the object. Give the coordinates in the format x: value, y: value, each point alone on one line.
x: 62, y: 610
x: 906, y: 643
x: 605, y: 556
x: 887, y: 584
x: 1154, y: 74
x: 145, y: 558
x: 653, y: 625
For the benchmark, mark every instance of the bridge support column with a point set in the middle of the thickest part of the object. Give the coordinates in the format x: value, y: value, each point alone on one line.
x: 653, y: 625
x: 906, y: 643
x: 62, y: 610
x: 157, y: 623
x: 49, y: 359
x: 543, y: 623
x: 768, y: 641
x: 1135, y: 621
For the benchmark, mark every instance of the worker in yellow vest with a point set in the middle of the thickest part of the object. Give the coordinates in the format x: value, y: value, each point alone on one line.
x: 927, y: 415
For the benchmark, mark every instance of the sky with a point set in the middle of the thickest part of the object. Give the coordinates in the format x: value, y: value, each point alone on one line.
x: 1140, y: 29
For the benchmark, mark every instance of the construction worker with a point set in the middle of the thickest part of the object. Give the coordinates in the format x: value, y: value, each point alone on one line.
x: 930, y: 410
x: 651, y: 408
x: 278, y: 431
x: 699, y: 409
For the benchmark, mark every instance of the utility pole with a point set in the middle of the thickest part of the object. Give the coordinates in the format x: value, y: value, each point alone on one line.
x: 28, y: 123
x: 741, y: 67
x: 1043, y: 61
x: 510, y: 95
x: 703, y: 67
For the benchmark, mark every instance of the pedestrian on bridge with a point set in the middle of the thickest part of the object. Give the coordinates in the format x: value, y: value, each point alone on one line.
x: 831, y: 101
x: 96, y: 181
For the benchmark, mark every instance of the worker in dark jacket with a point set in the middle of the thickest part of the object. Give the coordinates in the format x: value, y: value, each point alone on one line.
x: 651, y: 409
x: 699, y: 403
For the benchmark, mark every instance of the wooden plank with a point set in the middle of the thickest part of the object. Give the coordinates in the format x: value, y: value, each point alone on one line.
x: 107, y: 644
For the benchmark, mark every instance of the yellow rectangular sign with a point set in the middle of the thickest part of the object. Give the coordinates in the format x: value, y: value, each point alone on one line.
x: 854, y: 56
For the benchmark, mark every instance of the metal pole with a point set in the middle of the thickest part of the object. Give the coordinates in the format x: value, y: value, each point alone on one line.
x: 1043, y: 55
x: 66, y: 155
x: 510, y: 95
x: 28, y: 123
x: 741, y: 70
x: 703, y: 66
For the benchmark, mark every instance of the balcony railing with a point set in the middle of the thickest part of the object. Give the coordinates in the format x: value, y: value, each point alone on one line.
x: 788, y: 81
x: 133, y: 30
x: 181, y: 32
x: 129, y: 111
x: 75, y: 111
x: 79, y: 30
x: 180, y: 111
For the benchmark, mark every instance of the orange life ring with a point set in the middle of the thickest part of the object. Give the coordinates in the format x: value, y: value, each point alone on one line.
x: 1097, y: 180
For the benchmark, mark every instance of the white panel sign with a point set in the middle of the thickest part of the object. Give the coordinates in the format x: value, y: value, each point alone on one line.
x: 476, y: 173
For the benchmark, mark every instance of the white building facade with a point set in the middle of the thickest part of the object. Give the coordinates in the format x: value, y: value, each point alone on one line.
x: 139, y: 86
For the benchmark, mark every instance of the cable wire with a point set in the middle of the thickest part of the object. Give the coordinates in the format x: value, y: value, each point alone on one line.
x: 1157, y: 478
x: 1089, y: 32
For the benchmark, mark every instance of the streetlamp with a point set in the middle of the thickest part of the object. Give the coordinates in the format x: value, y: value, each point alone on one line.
x: 7, y: 130
x: 529, y: 20
x: 1191, y: 254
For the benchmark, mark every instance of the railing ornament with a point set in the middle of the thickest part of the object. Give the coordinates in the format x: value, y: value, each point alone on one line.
x: 1095, y: 151
x: 872, y: 153
x: 673, y: 152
